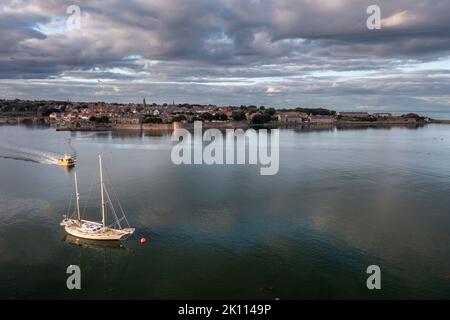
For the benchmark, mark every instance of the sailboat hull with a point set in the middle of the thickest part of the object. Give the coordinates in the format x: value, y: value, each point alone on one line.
x: 105, y: 234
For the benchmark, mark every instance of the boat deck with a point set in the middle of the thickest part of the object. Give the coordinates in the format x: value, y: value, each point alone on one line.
x: 106, y: 234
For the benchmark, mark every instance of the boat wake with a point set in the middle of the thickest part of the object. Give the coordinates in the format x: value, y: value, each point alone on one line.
x: 18, y: 158
x: 32, y: 155
x: 73, y: 154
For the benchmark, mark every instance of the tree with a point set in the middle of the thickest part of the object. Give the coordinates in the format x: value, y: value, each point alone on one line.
x: 207, y: 116
x: 46, y: 112
x: 179, y: 118
x: 152, y: 119
x: 238, y: 116
x: 316, y: 111
x: 270, y: 111
x: 195, y: 118
x: 220, y: 117
x: 102, y: 119
x: 412, y: 116
x: 261, y: 118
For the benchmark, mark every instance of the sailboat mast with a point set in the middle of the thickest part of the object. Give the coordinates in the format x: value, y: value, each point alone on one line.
x: 77, y: 194
x: 101, y: 191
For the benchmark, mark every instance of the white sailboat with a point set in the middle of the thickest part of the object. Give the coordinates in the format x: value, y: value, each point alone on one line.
x: 92, y: 230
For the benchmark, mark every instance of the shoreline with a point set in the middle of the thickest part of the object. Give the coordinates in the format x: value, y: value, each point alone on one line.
x: 246, y: 125
x: 339, y: 124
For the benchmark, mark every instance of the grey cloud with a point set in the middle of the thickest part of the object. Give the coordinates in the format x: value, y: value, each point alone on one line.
x: 231, y: 51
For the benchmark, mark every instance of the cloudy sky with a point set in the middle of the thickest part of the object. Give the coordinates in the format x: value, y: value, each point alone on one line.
x: 263, y: 52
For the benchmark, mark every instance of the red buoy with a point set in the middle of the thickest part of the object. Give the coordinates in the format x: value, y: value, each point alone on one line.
x: 143, y: 240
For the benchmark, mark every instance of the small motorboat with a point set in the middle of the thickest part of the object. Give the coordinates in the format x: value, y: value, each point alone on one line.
x: 66, y: 161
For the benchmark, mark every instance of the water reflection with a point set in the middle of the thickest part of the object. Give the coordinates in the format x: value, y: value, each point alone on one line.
x: 343, y: 199
x: 67, y: 169
x: 104, y: 264
x: 353, y: 127
x: 94, y: 244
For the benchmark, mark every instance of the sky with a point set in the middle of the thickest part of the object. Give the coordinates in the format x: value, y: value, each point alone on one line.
x: 280, y: 53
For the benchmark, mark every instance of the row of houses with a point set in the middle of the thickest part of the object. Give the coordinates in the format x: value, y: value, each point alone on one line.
x: 131, y: 115
x: 302, y: 117
x: 292, y: 118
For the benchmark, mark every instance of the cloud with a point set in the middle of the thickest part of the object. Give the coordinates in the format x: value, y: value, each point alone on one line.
x: 401, y: 19
x: 226, y: 51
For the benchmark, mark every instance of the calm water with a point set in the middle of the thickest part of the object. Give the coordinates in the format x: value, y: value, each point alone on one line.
x: 342, y: 200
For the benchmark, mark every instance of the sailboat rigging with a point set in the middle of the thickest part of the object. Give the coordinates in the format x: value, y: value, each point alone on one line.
x: 93, y: 230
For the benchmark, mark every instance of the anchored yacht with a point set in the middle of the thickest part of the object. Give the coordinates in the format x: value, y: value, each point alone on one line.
x: 119, y: 229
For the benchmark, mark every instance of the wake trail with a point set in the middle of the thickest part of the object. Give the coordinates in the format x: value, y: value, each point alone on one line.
x: 18, y: 158
x: 74, y: 153
x: 33, y: 155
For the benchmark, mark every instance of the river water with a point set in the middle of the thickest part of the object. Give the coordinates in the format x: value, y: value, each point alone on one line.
x: 342, y: 200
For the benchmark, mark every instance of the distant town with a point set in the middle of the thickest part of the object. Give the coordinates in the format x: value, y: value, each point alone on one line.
x: 82, y: 116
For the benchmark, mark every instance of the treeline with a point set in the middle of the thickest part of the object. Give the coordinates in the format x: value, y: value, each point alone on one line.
x: 42, y: 107
x: 259, y: 115
x: 312, y: 111
x: 102, y: 119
